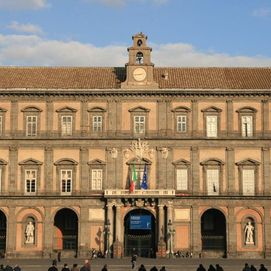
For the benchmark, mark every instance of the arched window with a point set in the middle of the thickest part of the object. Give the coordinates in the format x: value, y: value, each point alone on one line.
x: 139, y: 58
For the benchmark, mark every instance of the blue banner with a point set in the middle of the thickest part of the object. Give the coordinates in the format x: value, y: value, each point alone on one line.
x: 140, y: 222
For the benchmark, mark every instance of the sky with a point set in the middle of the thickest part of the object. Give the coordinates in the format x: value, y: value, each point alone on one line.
x: 182, y: 33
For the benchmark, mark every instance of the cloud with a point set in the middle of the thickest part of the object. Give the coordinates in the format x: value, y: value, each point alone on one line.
x: 23, y: 4
x: 119, y: 3
x: 262, y: 12
x: 25, y: 28
x: 32, y: 50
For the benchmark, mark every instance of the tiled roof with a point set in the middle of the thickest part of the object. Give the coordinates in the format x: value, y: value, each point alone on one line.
x: 110, y: 78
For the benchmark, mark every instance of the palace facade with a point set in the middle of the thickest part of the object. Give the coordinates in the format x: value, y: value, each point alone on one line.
x: 195, y: 142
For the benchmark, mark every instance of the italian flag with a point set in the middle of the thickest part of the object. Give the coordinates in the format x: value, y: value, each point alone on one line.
x: 133, y: 180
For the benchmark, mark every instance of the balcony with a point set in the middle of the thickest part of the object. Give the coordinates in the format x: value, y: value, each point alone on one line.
x: 153, y: 193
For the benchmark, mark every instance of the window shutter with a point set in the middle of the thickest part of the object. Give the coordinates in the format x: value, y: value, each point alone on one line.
x: 248, y: 182
x: 212, y: 176
x: 211, y: 125
x: 182, y: 179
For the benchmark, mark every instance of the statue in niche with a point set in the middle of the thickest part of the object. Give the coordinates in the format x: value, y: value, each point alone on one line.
x: 29, y: 233
x: 249, y: 234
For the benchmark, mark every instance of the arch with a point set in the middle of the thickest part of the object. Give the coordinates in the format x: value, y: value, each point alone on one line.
x: 246, y: 212
x: 65, y: 235
x: 30, y: 161
x: 65, y: 162
x: 33, y: 212
x: 31, y: 109
x: 3, y: 233
x: 139, y: 232
x: 212, y: 161
x: 213, y: 231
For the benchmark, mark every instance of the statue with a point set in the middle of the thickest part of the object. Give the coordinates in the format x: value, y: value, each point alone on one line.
x: 29, y: 232
x: 249, y: 234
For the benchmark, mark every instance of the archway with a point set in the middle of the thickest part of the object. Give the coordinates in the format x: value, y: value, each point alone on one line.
x: 66, y: 230
x: 213, y: 231
x: 139, y: 233
x: 3, y: 233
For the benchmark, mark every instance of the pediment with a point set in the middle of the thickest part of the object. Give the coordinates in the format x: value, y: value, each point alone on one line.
x: 212, y: 162
x: 139, y: 109
x: 248, y: 162
x: 65, y: 162
x: 96, y: 162
x: 3, y: 110
x: 181, y: 162
x: 31, y: 109
x: 30, y: 161
x: 183, y: 109
x: 97, y: 109
x: 212, y: 109
x: 66, y: 109
x: 246, y: 109
x: 3, y: 162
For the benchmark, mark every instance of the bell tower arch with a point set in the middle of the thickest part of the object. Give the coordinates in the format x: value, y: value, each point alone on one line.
x: 139, y: 69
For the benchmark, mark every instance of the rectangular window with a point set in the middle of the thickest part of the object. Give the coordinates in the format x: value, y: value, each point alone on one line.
x: 1, y: 125
x: 248, y: 182
x: 31, y: 125
x: 66, y: 125
x: 30, y: 181
x: 212, y: 176
x: 97, y: 123
x: 139, y: 124
x: 66, y: 182
x: 181, y: 123
x: 211, y: 126
x: 247, y: 126
x: 182, y: 179
x: 96, y: 179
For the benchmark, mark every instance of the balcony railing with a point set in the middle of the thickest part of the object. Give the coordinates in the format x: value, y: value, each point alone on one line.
x: 154, y: 193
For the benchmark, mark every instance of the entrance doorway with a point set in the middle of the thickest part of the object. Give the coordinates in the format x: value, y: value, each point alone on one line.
x: 66, y: 235
x: 139, y: 233
x: 213, y: 231
x: 3, y: 233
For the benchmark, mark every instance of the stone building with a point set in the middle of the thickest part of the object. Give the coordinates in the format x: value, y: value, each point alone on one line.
x: 194, y: 142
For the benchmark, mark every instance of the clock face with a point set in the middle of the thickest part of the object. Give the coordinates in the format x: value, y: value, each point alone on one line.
x: 139, y: 74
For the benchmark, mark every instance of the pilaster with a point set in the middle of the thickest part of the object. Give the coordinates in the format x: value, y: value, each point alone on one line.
x: 194, y: 117
x: 114, y: 166
x: 84, y: 170
x: 161, y: 221
x: 265, y: 116
x: 48, y: 233
x: 195, y: 170
x: 11, y: 233
x: 230, y: 170
x: 119, y: 233
x: 232, y: 234
x: 13, y: 163
x: 266, y: 170
x: 48, y: 168
x: 111, y: 220
x: 14, y: 117
x: 84, y: 117
x: 49, y: 117
x: 162, y: 117
x: 267, y: 231
x: 229, y: 117
x: 112, y: 117
x: 196, y: 231
x: 83, y: 231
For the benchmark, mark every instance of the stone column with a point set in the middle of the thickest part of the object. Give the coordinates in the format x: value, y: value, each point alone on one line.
x: 266, y: 170
x: 194, y: 117
x: 84, y: 171
x: 265, y: 116
x: 195, y: 170
x: 196, y: 231
x: 49, y: 117
x: 11, y: 233
x: 161, y: 225
x: 229, y: 117
x: 84, y: 117
x: 13, y: 166
x: 48, y: 229
x: 111, y: 220
x: 14, y: 117
x: 230, y: 172
x: 83, y: 231
x: 267, y: 231
x: 231, y: 233
x: 119, y: 233
x: 112, y: 117
x: 169, y: 217
x: 48, y: 169
x: 162, y: 117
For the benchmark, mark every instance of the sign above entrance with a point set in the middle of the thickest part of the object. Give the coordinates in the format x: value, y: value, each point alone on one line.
x: 140, y: 222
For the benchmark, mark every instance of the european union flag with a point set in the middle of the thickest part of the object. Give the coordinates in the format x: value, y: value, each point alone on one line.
x: 144, y: 184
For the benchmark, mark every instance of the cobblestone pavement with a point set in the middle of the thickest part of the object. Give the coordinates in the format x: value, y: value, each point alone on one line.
x: 125, y: 264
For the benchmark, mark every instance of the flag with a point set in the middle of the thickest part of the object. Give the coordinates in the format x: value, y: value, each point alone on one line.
x: 144, y: 184
x: 133, y: 180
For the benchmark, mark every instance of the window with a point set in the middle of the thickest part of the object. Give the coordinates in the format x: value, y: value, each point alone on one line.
x: 211, y: 125
x: 247, y: 126
x: 182, y: 179
x: 139, y: 58
x: 66, y: 125
x: 66, y: 182
x: 211, y: 117
x: 66, y: 120
x: 212, y: 181
x: 212, y: 176
x: 2, y: 120
x: 139, y: 124
x: 31, y: 125
x: 181, y: 123
x: 96, y: 179
x: 97, y: 123
x: 247, y: 121
x: 248, y: 182
x: 31, y: 120
x: 30, y: 181
x: 248, y: 177
x: 139, y: 120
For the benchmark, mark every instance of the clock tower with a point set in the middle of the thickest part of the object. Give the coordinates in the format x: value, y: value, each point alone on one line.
x: 139, y: 69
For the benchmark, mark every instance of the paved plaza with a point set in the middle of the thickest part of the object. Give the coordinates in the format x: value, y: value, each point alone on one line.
x: 125, y: 264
